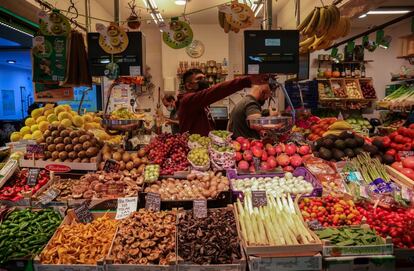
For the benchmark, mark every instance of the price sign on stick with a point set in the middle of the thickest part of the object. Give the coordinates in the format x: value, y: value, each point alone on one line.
x: 259, y: 198
x: 111, y: 166
x: 126, y: 206
x: 32, y: 176
x: 153, y: 201
x: 82, y: 212
x: 200, y: 208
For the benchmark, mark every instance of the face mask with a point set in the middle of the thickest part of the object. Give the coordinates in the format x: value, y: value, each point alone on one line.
x: 203, y: 84
x: 170, y: 108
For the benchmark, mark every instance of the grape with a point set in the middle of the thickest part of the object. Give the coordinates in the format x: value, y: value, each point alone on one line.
x: 198, y: 156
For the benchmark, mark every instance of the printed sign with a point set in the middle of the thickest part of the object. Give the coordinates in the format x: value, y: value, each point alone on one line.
x: 111, y: 166
x: 315, y: 225
x: 82, y: 212
x: 126, y: 206
x: 200, y: 208
x: 35, y: 151
x: 32, y: 176
x: 57, y: 168
x: 153, y: 201
x: 259, y: 198
x: 49, y: 195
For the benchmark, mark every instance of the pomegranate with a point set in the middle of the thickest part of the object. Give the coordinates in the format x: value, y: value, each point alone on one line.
x: 303, y: 150
x: 270, y: 150
x: 271, y: 162
x: 236, y: 146
x: 257, y: 152
x: 248, y: 156
x: 243, y: 165
x: 238, y: 156
x: 296, y: 160
x: 283, y: 160
x: 264, y: 156
x: 290, y: 149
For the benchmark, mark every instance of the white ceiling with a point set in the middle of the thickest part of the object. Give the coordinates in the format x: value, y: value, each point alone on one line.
x: 21, y: 56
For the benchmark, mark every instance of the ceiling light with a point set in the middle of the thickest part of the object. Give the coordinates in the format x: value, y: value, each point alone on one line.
x: 259, y: 8
x: 384, y: 11
x: 11, y: 61
x: 363, y: 16
x: 180, y: 2
x: 18, y: 30
x: 105, y: 61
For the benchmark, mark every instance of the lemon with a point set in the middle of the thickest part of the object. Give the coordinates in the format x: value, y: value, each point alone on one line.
x: 66, y: 123
x: 29, y: 121
x: 64, y: 115
x: 25, y: 130
x: 59, y: 109
x: 34, y: 127
x: 55, y: 123
x: 15, y: 136
x: 78, y: 121
x: 37, y: 112
x: 37, y: 134
x: 87, y: 118
x: 40, y: 119
x: 51, y: 118
x: 27, y: 136
x: 43, y: 126
x: 48, y: 112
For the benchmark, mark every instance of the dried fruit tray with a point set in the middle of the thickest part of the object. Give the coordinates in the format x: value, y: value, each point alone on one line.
x: 300, y: 171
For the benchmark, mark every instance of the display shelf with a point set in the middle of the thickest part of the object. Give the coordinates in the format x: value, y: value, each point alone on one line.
x: 400, y: 80
x: 344, y: 62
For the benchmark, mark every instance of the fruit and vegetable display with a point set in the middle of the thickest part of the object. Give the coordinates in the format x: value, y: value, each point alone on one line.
x: 346, y: 236
x: 64, y: 188
x: 339, y: 89
x: 398, y: 223
x: 399, y: 140
x: 194, y: 187
x: 146, y: 237
x: 371, y: 169
x: 406, y: 166
x: 106, y: 185
x: 69, y: 145
x: 325, y: 90
x: 275, y: 224
x: 274, y: 186
x: 170, y: 152
x: 151, y: 173
x: 220, y: 137
x: 320, y: 128
x: 199, y: 157
x: 210, y: 240
x: 17, y: 187
x: 330, y: 211
x: 196, y: 140
x: 359, y: 124
x: 24, y: 233
x: 62, y: 115
x: 132, y: 162
x: 368, y: 90
x: 400, y: 99
x: 79, y: 243
x: 352, y: 90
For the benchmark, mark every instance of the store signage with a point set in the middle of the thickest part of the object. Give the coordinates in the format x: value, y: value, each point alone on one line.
x: 82, y: 212
x: 259, y: 198
x: 126, y: 206
x: 111, y: 165
x: 49, y: 195
x: 153, y: 201
x: 35, y: 151
x: 32, y: 176
x: 57, y: 168
x: 200, y: 208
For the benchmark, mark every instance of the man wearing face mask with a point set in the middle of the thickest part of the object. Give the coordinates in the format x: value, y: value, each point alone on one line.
x: 194, y: 114
x: 250, y: 107
x: 172, y: 106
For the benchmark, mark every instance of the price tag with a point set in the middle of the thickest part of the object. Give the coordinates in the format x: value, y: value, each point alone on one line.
x: 126, y: 206
x: 32, y: 176
x: 82, y: 212
x: 259, y: 198
x: 315, y: 225
x: 49, y: 195
x: 363, y: 192
x: 200, y: 208
x: 153, y: 201
x: 111, y: 166
x: 404, y: 154
x: 36, y: 150
x: 256, y: 163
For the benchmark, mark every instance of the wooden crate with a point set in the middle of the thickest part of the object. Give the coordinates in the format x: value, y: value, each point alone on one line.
x: 400, y: 178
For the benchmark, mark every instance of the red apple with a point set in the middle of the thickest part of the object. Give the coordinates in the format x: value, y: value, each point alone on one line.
x: 257, y: 143
x: 270, y: 150
x: 241, y: 139
x: 236, y: 146
x: 248, y: 156
x: 303, y: 150
x: 243, y: 165
x: 271, y: 162
x: 264, y: 156
x: 264, y: 166
x: 238, y: 156
x: 290, y: 149
x: 257, y: 152
x: 245, y: 145
x: 280, y: 148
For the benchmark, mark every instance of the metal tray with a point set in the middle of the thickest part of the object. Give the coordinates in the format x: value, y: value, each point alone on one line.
x: 280, y: 124
x: 122, y: 125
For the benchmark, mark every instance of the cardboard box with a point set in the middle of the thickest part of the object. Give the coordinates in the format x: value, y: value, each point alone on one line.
x: 302, y: 263
x: 360, y: 263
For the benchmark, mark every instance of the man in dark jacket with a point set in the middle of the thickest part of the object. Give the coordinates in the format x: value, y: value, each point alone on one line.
x: 194, y: 114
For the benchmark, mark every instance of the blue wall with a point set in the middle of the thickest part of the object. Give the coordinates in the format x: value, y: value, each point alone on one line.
x: 11, y: 79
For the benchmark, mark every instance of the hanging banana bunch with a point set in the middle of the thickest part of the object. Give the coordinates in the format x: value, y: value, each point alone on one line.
x: 321, y: 27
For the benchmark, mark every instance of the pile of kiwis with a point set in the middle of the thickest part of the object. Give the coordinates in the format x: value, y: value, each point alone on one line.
x: 132, y: 162
x: 69, y: 145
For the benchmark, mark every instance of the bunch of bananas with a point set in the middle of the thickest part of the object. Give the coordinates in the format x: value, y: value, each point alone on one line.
x: 321, y: 27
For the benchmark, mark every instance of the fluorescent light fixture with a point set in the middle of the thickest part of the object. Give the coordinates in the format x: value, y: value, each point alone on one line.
x: 384, y: 11
x: 259, y: 8
x: 363, y: 16
x: 18, y: 30
x: 180, y: 2
x: 104, y: 61
x: 253, y: 7
x: 11, y: 61
x: 152, y: 3
x: 145, y: 3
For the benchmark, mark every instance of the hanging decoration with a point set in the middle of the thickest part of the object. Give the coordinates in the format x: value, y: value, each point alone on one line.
x: 195, y: 49
x: 235, y: 16
x: 133, y: 21
x: 53, y: 24
x: 178, y: 34
x: 112, y: 39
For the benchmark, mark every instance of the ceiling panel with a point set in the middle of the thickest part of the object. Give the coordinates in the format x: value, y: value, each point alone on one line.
x: 22, y: 58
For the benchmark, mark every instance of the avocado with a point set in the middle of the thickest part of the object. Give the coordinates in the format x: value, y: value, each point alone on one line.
x: 371, y: 149
x: 318, y: 143
x: 340, y: 144
x: 328, y: 143
x: 359, y: 141
x: 350, y: 143
x: 326, y: 154
x: 349, y: 153
x: 338, y: 154
x: 358, y: 151
x: 333, y: 137
x: 378, y: 143
x: 346, y: 134
x: 388, y: 159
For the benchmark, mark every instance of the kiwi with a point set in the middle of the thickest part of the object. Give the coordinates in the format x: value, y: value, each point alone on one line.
x: 136, y: 162
x: 69, y: 148
x: 49, y: 140
x: 55, y: 155
x: 58, y: 140
x: 86, y: 145
x: 48, y: 154
x: 84, y: 138
x: 129, y: 165
x: 126, y: 157
x: 92, y: 151
x: 47, y: 133
x: 68, y: 160
x: 117, y: 156
x: 82, y: 154
x: 77, y: 160
x: 73, y: 134
x: 85, y: 160
x: 64, y: 133
x: 60, y: 147
x: 51, y: 147
x: 77, y: 147
x: 72, y: 155
x: 55, y: 133
x: 58, y: 160
x: 63, y: 155
x: 121, y: 165
x: 75, y: 140
x: 67, y: 140
x: 61, y: 127
x: 53, y: 128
